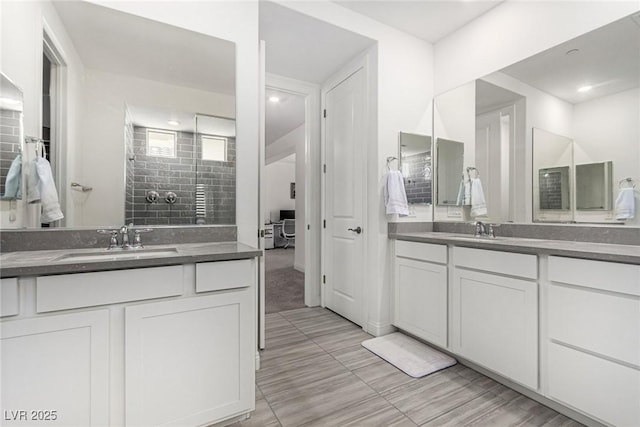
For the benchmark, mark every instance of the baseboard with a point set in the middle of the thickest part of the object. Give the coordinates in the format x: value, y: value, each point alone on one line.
x: 257, y: 360
x: 378, y: 329
x: 299, y: 267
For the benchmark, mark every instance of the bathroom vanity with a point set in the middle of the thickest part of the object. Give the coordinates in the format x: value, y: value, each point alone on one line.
x: 167, y: 339
x: 558, y: 319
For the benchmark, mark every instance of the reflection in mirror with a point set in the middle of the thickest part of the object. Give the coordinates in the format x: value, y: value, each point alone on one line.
x: 554, y: 188
x: 594, y: 186
x: 190, y: 165
x: 113, y: 60
x: 450, y: 170
x: 415, y: 164
x: 11, y: 136
x: 552, y: 155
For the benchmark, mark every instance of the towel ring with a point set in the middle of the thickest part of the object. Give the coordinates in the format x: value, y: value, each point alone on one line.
x: 389, y: 160
x: 628, y: 181
x: 472, y: 168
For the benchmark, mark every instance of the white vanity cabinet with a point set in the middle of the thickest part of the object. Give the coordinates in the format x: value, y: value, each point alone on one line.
x: 187, y: 361
x: 495, y: 315
x: 55, y: 370
x: 420, y: 290
x: 172, y: 345
x: 593, y: 338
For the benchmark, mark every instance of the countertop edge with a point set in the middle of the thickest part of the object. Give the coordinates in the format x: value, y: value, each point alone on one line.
x: 49, y: 268
x: 539, y: 249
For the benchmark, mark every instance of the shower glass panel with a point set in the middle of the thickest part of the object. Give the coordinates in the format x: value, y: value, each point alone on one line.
x: 215, y: 190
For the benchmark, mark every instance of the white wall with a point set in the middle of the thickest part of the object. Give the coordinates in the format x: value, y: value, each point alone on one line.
x: 278, y: 175
x: 103, y: 133
x: 285, y: 145
x: 21, y: 30
x: 515, y: 30
x: 236, y: 21
x: 607, y: 128
x: 403, y: 89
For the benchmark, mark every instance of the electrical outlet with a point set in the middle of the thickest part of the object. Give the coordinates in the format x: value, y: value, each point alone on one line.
x: 454, y: 212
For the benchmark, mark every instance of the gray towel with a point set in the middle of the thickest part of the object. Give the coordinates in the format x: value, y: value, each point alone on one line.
x: 13, y: 183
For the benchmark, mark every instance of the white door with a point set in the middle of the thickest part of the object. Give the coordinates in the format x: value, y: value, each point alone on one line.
x: 343, y: 252
x: 261, y: 203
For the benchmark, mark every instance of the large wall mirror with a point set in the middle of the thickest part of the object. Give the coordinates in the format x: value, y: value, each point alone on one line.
x: 553, y: 135
x: 139, y: 114
x: 416, y: 166
x: 11, y: 105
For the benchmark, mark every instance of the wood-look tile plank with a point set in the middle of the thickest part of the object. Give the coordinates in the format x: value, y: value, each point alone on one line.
x: 299, y: 374
x: 308, y: 402
x: 355, y: 356
x: 341, y: 339
x: 382, y: 376
x: 323, y: 325
x: 304, y: 313
x: 286, y: 354
x: 469, y: 412
x: 561, y: 421
x: 283, y: 337
x: 263, y: 416
x: 372, y: 412
x: 434, y: 395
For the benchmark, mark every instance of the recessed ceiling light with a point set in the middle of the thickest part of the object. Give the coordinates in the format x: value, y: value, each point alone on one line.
x: 572, y: 51
x: 274, y: 99
x: 585, y: 88
x: 173, y: 122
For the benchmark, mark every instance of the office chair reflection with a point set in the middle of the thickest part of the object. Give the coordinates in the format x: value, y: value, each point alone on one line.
x: 288, y: 231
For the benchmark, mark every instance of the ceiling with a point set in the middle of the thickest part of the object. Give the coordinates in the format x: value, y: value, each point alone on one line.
x: 429, y: 20
x: 116, y: 42
x: 156, y: 118
x: 305, y: 48
x: 283, y: 116
x: 607, y: 59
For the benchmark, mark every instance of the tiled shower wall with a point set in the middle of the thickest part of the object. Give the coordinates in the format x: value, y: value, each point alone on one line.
x: 9, y: 142
x: 417, y: 182
x: 180, y: 175
x: 551, y: 191
x: 129, y: 170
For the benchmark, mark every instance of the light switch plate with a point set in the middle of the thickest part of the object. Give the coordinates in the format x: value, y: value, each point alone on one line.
x: 454, y: 212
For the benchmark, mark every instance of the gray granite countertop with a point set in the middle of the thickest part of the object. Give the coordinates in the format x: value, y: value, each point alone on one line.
x: 35, y: 263
x: 587, y: 250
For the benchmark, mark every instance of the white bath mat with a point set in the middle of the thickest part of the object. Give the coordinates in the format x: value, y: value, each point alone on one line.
x: 409, y: 355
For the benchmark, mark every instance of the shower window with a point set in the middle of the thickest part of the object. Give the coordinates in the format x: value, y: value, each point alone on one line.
x: 214, y: 148
x: 161, y: 143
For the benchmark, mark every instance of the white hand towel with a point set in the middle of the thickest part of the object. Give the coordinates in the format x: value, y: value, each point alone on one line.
x: 13, y: 182
x: 41, y: 188
x: 460, y: 198
x: 395, y: 198
x: 478, y: 203
x: 625, y: 204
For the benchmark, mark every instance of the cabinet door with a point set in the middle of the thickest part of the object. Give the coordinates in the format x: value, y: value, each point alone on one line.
x: 56, y: 363
x: 420, y: 299
x: 190, y: 361
x: 495, y: 323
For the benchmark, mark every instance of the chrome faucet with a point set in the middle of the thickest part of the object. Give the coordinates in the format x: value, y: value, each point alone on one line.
x: 482, y: 230
x: 124, y: 231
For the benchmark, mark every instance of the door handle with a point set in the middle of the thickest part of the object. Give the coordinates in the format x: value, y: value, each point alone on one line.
x: 358, y: 230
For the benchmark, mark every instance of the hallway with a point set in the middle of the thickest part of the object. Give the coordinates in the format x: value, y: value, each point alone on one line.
x: 315, y: 372
x: 284, y: 285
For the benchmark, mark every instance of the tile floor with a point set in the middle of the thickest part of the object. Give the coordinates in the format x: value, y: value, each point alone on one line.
x: 315, y: 373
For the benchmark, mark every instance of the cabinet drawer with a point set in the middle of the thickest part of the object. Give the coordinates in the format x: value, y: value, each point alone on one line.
x: 422, y: 251
x: 520, y: 265
x: 604, y: 323
x: 9, y: 301
x: 598, y: 387
x: 215, y: 276
x: 107, y: 287
x: 610, y: 276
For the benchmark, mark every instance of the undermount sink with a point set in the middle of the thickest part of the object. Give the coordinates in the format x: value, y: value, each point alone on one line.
x: 112, y: 255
